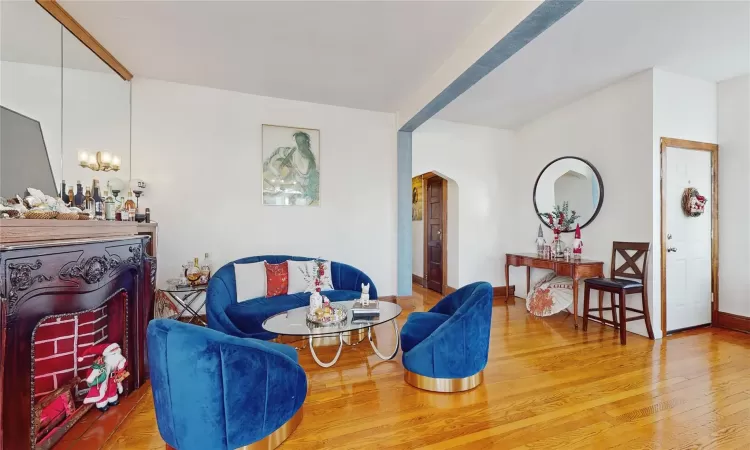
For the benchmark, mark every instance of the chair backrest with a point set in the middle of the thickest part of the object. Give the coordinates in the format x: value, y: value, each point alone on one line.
x: 630, y: 252
x: 215, y: 391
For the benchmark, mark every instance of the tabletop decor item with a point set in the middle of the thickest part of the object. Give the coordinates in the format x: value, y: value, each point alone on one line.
x: 291, y: 166
x: 105, y: 375
x: 540, y: 242
x: 365, y: 297
x: 327, y: 314
x: 693, y: 203
x: 577, y: 243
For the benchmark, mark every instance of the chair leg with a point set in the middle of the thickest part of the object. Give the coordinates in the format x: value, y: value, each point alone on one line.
x: 623, y: 321
x: 586, y: 295
x: 614, y: 310
x: 647, y: 316
x: 601, y: 304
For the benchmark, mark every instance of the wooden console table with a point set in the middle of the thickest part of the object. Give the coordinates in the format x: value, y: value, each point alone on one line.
x: 576, y: 269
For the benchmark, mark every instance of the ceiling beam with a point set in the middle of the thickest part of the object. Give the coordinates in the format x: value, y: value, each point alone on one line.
x: 505, y: 31
x: 66, y: 20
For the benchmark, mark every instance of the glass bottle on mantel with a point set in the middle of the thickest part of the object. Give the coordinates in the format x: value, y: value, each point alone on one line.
x: 79, y: 198
x: 129, y: 208
x: 88, y: 202
x: 98, y: 202
x: 64, y: 193
x: 109, y: 206
x: 71, y: 196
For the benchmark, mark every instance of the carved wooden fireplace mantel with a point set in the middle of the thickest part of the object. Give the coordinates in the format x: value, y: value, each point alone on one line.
x: 62, y: 278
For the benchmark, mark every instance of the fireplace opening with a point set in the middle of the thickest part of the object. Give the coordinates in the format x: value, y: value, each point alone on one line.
x: 59, y: 379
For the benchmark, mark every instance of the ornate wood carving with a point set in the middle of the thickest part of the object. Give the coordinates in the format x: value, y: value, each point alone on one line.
x: 91, y: 270
x: 22, y: 278
x: 137, y: 255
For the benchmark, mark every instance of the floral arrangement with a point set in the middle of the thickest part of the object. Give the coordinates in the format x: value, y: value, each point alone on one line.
x: 559, y: 218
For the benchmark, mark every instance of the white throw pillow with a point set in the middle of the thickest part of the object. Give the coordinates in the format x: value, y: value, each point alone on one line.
x: 251, y: 280
x: 302, y: 276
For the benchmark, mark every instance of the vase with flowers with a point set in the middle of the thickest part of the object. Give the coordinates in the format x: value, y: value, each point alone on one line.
x: 558, y: 249
x: 316, y: 299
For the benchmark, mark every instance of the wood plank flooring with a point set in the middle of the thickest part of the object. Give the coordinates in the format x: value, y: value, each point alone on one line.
x: 547, y: 386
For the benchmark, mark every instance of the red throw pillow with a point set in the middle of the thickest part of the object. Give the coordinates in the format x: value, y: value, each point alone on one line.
x: 277, y: 279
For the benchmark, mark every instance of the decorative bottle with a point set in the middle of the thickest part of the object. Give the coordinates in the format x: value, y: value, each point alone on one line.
x: 88, y: 201
x: 205, y: 270
x: 194, y: 272
x: 129, y: 208
x: 109, y: 206
x: 98, y: 202
x: 79, y: 197
x: 64, y: 194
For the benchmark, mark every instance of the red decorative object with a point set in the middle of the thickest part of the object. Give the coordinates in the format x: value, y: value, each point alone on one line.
x: 106, y: 375
x: 277, y: 279
x: 577, y: 242
x: 693, y: 203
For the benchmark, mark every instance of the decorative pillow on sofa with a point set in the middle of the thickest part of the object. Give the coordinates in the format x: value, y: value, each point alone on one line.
x: 277, y: 279
x: 251, y: 280
x: 302, y: 276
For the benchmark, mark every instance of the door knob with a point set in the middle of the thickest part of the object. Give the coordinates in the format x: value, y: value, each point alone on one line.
x: 671, y: 250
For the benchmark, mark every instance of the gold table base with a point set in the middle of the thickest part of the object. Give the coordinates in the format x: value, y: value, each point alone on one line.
x: 275, y: 439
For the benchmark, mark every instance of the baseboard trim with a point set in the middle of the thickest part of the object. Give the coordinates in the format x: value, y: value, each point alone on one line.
x: 733, y: 322
x: 388, y: 298
x: 498, y: 291
x: 417, y: 279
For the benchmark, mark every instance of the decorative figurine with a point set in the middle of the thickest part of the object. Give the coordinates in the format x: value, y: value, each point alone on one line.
x: 365, y: 298
x: 540, y: 242
x: 577, y: 243
x: 106, y: 375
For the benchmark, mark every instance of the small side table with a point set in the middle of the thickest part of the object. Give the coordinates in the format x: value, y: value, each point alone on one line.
x: 185, y: 297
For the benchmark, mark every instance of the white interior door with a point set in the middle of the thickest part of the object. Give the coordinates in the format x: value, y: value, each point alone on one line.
x: 688, y: 241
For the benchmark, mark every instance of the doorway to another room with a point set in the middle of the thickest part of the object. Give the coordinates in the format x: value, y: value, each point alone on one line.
x: 689, y: 228
x: 430, y: 207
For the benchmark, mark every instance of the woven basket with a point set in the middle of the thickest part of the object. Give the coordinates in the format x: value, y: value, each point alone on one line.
x: 67, y: 216
x: 40, y: 214
x: 84, y: 216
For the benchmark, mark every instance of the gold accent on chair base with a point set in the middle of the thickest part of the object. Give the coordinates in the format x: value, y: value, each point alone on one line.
x: 443, y: 384
x: 275, y: 439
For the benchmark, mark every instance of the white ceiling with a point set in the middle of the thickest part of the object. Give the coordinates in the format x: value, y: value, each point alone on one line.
x: 366, y: 55
x: 30, y: 35
x: 601, y: 42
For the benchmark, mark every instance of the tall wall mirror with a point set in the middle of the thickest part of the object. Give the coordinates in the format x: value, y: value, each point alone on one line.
x: 59, y: 101
x: 571, y: 186
x: 31, y: 99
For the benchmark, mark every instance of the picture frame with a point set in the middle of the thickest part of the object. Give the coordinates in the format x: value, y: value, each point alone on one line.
x: 290, y: 166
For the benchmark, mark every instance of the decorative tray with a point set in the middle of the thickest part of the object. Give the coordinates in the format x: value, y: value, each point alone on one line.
x: 330, y: 315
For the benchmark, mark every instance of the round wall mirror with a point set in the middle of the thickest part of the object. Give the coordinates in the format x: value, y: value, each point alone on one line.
x: 569, y: 187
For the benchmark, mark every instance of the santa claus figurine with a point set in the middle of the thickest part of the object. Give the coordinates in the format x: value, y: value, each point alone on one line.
x: 106, y: 375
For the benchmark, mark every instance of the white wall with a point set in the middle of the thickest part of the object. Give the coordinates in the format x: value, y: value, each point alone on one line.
x: 734, y: 186
x: 417, y: 247
x: 478, y: 160
x: 199, y: 150
x: 612, y: 129
x: 684, y: 108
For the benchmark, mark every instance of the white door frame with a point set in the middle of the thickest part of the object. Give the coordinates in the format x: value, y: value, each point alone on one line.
x: 714, y: 149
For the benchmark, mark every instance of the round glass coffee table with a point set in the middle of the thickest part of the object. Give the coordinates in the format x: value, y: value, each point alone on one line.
x: 294, y: 323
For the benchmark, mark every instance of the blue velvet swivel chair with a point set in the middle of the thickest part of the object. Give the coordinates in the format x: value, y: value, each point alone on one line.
x: 445, y: 349
x: 214, y: 391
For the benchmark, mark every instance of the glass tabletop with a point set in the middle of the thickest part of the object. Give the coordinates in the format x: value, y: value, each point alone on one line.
x: 183, y: 289
x: 294, y: 322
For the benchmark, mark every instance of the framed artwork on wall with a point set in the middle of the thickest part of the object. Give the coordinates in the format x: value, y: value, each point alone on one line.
x: 291, y: 166
x: 416, y: 198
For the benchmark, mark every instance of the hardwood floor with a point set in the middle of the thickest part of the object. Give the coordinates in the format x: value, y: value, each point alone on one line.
x: 547, y: 386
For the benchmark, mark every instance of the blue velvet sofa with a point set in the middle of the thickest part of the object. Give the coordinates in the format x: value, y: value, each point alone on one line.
x: 214, y: 391
x: 245, y: 319
x: 445, y: 349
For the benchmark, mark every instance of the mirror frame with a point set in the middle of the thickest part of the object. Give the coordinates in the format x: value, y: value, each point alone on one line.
x: 598, y: 179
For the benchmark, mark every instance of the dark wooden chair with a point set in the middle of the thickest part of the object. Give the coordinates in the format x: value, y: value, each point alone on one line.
x: 624, y: 280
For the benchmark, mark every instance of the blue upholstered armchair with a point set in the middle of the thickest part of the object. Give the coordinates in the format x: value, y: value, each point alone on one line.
x: 246, y: 319
x: 214, y: 391
x: 445, y: 349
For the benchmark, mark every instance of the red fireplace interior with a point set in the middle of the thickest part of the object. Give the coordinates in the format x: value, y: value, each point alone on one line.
x: 58, y: 343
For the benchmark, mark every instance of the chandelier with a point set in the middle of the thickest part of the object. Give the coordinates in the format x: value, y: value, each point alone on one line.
x: 99, y: 161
